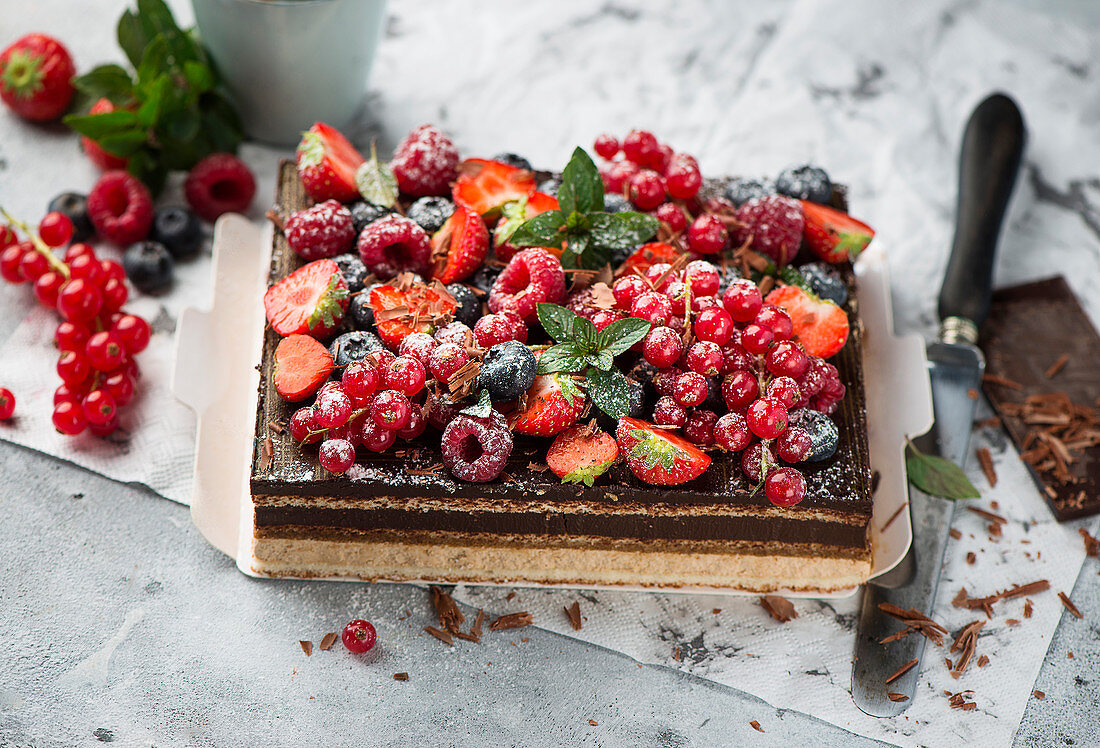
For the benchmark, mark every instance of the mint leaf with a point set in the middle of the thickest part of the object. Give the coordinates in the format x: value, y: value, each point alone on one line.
x: 375, y: 181
x: 483, y: 409
x: 105, y: 81
x: 630, y: 229
x: 123, y: 143
x: 938, y: 477
x: 544, y: 230
x: 581, y: 185
x: 602, y: 360
x: 609, y: 391
x: 564, y: 357
x: 620, y: 335
x: 556, y: 320
x: 584, y: 334
x: 96, y: 126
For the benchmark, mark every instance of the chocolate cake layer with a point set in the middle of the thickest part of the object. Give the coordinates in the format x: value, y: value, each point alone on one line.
x: 838, y: 487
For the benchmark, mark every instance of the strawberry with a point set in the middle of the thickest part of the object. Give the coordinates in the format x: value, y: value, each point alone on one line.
x: 36, y: 77
x: 416, y: 307
x: 301, y: 366
x: 819, y: 325
x: 553, y: 403
x: 513, y: 215
x: 659, y: 456
x: 311, y: 300
x: 485, y: 186
x: 581, y: 454
x: 832, y: 235
x: 327, y: 163
x: 648, y: 255
x: 105, y: 161
x: 459, y: 247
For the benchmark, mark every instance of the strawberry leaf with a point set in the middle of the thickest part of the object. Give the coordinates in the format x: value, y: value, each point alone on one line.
x: 653, y: 450
x: 581, y: 185
x: 938, y: 477
x: 556, y: 320
x: 569, y: 389
x: 483, y: 409
x: 587, y: 475
x: 609, y: 391
x: 376, y: 182
x: 564, y: 357
x: 621, y: 334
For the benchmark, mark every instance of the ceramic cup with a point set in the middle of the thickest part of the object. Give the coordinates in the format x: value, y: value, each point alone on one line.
x: 290, y: 63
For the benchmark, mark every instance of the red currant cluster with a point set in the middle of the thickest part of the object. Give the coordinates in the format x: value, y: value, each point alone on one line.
x: 700, y: 344
x: 96, y: 338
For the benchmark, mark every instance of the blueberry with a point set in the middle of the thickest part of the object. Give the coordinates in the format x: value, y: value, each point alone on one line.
x: 149, y: 266
x: 806, y: 183
x: 550, y: 186
x: 353, y: 270
x: 484, y: 278
x: 359, y: 310
x: 75, y: 206
x: 727, y: 274
x: 507, y: 371
x: 826, y: 282
x: 513, y: 160
x: 613, y: 202
x: 741, y: 190
x: 430, y: 213
x: 354, y: 346
x: 469, y: 306
x: 179, y: 230
x: 644, y: 372
x: 363, y: 213
x: 637, y: 408
x: 823, y: 433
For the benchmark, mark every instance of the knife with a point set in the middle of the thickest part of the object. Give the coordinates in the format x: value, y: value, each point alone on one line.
x: 989, y: 161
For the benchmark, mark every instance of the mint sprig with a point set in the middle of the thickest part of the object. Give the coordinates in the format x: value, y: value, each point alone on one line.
x: 581, y: 349
x: 590, y: 235
x: 171, y: 112
x: 937, y: 476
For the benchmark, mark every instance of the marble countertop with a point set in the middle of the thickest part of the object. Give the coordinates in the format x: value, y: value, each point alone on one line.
x: 122, y: 625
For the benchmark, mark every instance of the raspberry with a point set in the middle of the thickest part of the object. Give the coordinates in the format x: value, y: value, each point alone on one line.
x: 359, y: 636
x: 220, y: 183
x: 394, y: 244
x: 426, y: 162
x: 121, y: 208
x: 325, y: 230
x: 532, y: 276
x: 499, y: 328
x: 476, y: 449
x: 774, y: 225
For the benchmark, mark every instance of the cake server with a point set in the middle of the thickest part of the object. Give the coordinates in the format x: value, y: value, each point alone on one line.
x: 989, y: 161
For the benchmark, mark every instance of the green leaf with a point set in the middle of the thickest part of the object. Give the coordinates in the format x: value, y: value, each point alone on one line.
x: 124, y: 143
x: 105, y: 81
x: 512, y: 216
x: 793, y: 277
x: 585, y: 334
x: 938, y: 477
x: 149, y: 112
x: 561, y: 357
x: 556, y: 320
x: 132, y: 37
x: 609, y: 391
x: 544, y: 230
x: 581, y: 185
x: 569, y: 389
x: 182, y: 125
x: 602, y: 360
x: 624, y: 230
x: 96, y: 126
x: 376, y: 182
x: 483, y: 409
x: 199, y: 77
x: 154, y: 60
x: 587, y: 475
x: 620, y: 335
x: 577, y: 223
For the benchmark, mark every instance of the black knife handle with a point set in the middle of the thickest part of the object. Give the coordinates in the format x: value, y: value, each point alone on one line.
x: 989, y: 161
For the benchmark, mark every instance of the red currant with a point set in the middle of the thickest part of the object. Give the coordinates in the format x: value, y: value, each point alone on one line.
x: 683, y: 177
x: 447, y: 359
x: 115, y: 295
x: 33, y: 264
x: 690, y: 389
x: 714, y: 325
x: 707, y: 235
x: 660, y: 275
x: 390, y: 409
x: 672, y: 215
x: 404, y: 374
x: 67, y: 394
x: 333, y: 407
x: 705, y: 358
x: 419, y: 345
x: 736, y: 358
x: 785, y: 390
x: 120, y: 387
x: 699, y: 428
x: 662, y: 347
x: 47, y: 288
x: 375, y: 437
x: 606, y: 146
x: 359, y: 636
x: 627, y: 290
x: 79, y: 301
x: 794, y: 444
x: 703, y: 277
x: 663, y: 158
x: 776, y: 320
x: 766, y: 418
x: 416, y: 425
x: 8, y: 236
x: 99, y: 407
x: 752, y: 458
x: 88, y: 268
x: 641, y: 147
x: 731, y: 433
x: 11, y: 260
x: 742, y: 300
x: 303, y: 427
x: 109, y: 269
x: 647, y: 189
x: 56, y: 229
x: 785, y: 486
x: 73, y: 368
x: 104, y: 429
x: 664, y: 380
x: 601, y: 318
x: 653, y: 307
x: 786, y: 359
x: 616, y: 178
x: 739, y: 389
x: 668, y: 412
x: 360, y: 381
x: 78, y: 250
x: 756, y: 339
x: 336, y: 455
x: 677, y: 293
x: 7, y: 403
x: 133, y: 331
x: 104, y: 351
x: 68, y: 418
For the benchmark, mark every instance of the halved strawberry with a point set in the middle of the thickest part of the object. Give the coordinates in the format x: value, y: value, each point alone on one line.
x: 513, y: 215
x: 485, y: 186
x: 301, y: 366
x: 832, y: 235
x: 400, y: 310
x: 819, y: 325
x: 554, y: 403
x: 327, y: 163
x: 582, y: 453
x: 657, y: 455
x: 311, y: 300
x: 648, y: 255
x: 459, y: 247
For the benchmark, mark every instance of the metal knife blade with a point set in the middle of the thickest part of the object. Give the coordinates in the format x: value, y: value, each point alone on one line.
x: 989, y: 162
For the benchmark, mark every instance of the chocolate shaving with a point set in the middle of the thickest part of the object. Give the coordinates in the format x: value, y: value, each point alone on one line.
x: 511, y: 595
x: 914, y: 620
x: 573, y: 613
x: 1012, y: 621
x: 676, y: 654
x: 958, y: 701
x: 963, y: 600
x: 756, y: 726
x: 965, y: 642
x: 1092, y: 545
x: 1057, y: 366
x: 443, y: 636
x: 1069, y: 605
x: 1001, y: 381
x: 895, y: 515
x: 1038, y: 694
x: 512, y: 621
x: 275, y: 426
x: 307, y: 646
x: 400, y: 676
x: 267, y: 453
x: 955, y: 534
x: 480, y: 619
x: 467, y: 637
x: 986, y: 460
x: 988, y: 515
x: 983, y: 661
x: 593, y: 722
x: 971, y: 557
x: 328, y: 640
x: 902, y: 670
x: 895, y: 696
x: 450, y: 617
x: 779, y: 608
x: 1028, y: 607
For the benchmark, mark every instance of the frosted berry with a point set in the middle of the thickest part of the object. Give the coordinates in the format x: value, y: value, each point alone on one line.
x: 394, y: 244
x: 390, y: 410
x: 302, y: 425
x: 683, y: 177
x: 333, y: 407
x: 458, y: 333
x: 672, y: 215
x: 731, y: 433
x: 374, y: 437
x: 662, y: 347
x: 751, y: 459
x: 419, y: 345
x: 668, y: 412
x: 617, y: 177
x: 426, y: 162
x: 416, y: 426
x: 785, y: 486
x: 660, y: 275
x: 776, y: 320
x: 766, y: 418
x: 690, y: 389
x: 447, y: 359
x: 627, y: 290
x: 7, y: 403
x: 606, y: 146
x: 476, y: 449
x: 707, y: 235
x: 703, y: 277
x: 646, y: 190
x: 756, y: 339
x: 785, y: 390
x: 404, y: 374
x: 641, y: 147
x: 677, y: 293
x: 323, y: 230
x: 360, y: 381
x: 821, y: 431
x: 794, y: 444
x: 740, y: 389
x: 56, y: 229
x: 664, y: 380
x: 736, y: 358
x: 774, y: 225
x: 705, y: 358
x: 493, y: 329
x: 786, y: 359
x: 653, y: 307
x: 699, y: 428
x: 805, y: 183
x: 742, y: 300
x: 359, y: 636
x: 714, y: 325
x: 531, y: 276
x: 336, y: 455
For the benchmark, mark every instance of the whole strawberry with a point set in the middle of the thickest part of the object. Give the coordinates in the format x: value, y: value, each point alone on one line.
x: 36, y: 77
x: 426, y: 162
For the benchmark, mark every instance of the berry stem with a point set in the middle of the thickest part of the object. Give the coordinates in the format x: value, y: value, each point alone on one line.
x: 39, y: 245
